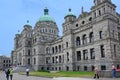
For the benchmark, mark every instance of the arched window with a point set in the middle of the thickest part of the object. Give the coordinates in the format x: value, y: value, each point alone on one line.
x: 84, y: 39
x: 78, y: 41
x: 100, y: 34
x: 91, y: 37
x: 99, y: 13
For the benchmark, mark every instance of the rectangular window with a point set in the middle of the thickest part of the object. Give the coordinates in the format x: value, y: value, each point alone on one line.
x: 92, y: 53
x: 85, y: 54
x: 102, y: 51
x: 60, y: 59
x: 103, y: 67
x: 66, y: 44
x: 52, y: 59
x: 67, y: 56
x: 78, y: 55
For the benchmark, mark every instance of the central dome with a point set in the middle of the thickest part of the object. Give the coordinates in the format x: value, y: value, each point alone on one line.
x: 46, y: 16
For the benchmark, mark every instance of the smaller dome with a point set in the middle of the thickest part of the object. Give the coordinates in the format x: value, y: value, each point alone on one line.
x: 70, y: 13
x: 46, y: 16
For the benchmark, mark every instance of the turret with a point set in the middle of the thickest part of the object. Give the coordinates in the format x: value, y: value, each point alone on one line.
x: 70, y: 18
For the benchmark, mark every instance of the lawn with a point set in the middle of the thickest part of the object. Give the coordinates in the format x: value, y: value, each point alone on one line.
x: 62, y: 74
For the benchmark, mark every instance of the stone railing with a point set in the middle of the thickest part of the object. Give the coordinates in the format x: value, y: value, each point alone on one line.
x: 108, y: 73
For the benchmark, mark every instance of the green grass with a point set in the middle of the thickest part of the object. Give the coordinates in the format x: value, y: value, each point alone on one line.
x: 62, y: 74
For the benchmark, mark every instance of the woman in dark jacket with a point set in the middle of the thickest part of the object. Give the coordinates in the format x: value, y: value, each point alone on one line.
x: 7, y: 72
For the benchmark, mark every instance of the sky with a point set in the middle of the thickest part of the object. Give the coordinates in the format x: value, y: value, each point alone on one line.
x: 15, y: 13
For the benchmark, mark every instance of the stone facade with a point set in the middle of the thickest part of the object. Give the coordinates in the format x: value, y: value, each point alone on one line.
x: 5, y: 62
x: 91, y: 39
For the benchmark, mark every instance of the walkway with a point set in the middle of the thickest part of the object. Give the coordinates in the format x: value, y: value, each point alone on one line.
x: 16, y: 76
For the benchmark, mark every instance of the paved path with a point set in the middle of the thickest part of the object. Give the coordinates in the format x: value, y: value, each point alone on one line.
x: 67, y: 78
x: 16, y: 76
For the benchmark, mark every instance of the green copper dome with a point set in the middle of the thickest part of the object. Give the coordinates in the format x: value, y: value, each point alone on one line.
x: 46, y: 16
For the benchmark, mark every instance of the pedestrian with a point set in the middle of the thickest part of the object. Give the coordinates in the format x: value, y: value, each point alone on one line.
x: 27, y: 71
x: 96, y: 75
x: 7, y: 72
x: 113, y: 71
x: 11, y: 73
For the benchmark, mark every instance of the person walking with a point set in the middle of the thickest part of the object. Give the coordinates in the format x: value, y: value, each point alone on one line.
x: 96, y: 72
x: 11, y: 73
x: 27, y: 71
x: 113, y: 71
x: 7, y: 72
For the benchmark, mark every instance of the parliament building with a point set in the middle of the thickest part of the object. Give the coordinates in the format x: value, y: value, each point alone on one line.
x: 91, y: 39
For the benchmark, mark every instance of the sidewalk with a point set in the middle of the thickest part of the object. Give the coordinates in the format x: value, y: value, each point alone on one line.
x: 71, y: 78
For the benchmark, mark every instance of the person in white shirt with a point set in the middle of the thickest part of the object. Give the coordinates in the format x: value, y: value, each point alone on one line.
x: 27, y: 71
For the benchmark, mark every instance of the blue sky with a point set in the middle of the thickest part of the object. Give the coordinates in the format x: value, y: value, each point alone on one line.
x: 15, y: 13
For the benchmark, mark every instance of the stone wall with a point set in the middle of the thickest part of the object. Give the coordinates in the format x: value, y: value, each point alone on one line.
x: 108, y: 73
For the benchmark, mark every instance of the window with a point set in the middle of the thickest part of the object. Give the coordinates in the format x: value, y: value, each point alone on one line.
x: 52, y: 59
x: 28, y: 52
x: 28, y: 61
x: 103, y: 67
x: 34, y: 51
x: 53, y: 50
x: 92, y: 53
x: 102, y: 51
x: 67, y: 56
x: 99, y: 13
x: 60, y: 59
x: 47, y: 60
x: 77, y: 41
x: 95, y: 14
x: 59, y: 68
x: 76, y: 25
x: 91, y: 37
x: 34, y: 60
x: 85, y: 54
x: 83, y: 22
x: 78, y: 55
x: 92, y: 67
x: 29, y: 43
x: 90, y: 19
x: 85, y: 68
x: 66, y: 44
x: 67, y: 68
x: 3, y: 61
x: 56, y: 59
x: 56, y: 49
x: 100, y: 34
x: 59, y: 48
x: 84, y: 39
x: 47, y: 50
